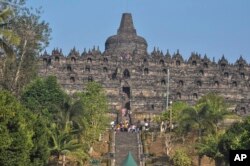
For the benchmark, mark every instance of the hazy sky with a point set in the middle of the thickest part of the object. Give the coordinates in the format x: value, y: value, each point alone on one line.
x: 212, y: 27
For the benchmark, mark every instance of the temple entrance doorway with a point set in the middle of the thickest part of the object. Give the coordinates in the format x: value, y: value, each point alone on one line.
x: 124, y: 114
x: 126, y: 90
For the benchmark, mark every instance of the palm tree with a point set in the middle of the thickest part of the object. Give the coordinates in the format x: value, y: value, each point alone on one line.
x: 196, y: 117
x: 67, y: 144
x: 209, y: 146
x: 204, y: 116
x: 65, y: 135
x: 218, y: 108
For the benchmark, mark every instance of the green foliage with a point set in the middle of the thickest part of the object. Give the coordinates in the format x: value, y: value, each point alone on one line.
x: 181, y: 158
x: 66, y: 143
x: 217, y: 107
x: 46, y: 99
x: 95, y: 107
x: 176, y: 109
x: 40, y: 151
x: 217, y: 146
x: 44, y: 96
x: 196, y: 117
x: 236, y: 137
x: 66, y: 119
x: 209, y: 146
x: 65, y: 132
x: 50, y: 122
x: 16, y: 131
x: 23, y: 37
x: 205, y: 115
x: 5, y: 15
x: 7, y: 36
x: 203, y: 118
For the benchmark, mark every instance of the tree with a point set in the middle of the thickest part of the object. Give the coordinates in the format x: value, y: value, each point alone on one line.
x: 195, y: 117
x: 217, y: 106
x: 8, y: 40
x: 217, y: 146
x: 236, y: 137
x: 40, y: 151
x: 95, y: 107
x: 181, y: 158
x: 204, y: 116
x: 19, y: 62
x: 176, y: 108
x: 209, y: 146
x: 65, y: 133
x: 44, y: 96
x: 7, y: 37
x: 16, y: 131
x: 60, y: 114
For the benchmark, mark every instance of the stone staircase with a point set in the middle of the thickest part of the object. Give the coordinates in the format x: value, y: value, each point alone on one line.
x: 125, y: 142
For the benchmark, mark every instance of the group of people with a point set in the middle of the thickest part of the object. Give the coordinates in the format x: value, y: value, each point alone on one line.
x: 125, y: 126
x: 123, y: 123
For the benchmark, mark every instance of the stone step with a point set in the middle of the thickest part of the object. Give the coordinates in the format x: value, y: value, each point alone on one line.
x: 125, y: 142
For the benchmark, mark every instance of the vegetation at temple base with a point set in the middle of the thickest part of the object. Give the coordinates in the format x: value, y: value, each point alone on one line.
x: 44, y: 96
x: 40, y: 151
x: 74, y: 123
x: 209, y: 146
x: 95, y: 109
x: 177, y: 108
x: 45, y: 99
x: 16, y: 131
x: 236, y: 137
x: 47, y: 122
x: 180, y: 158
x: 204, y: 122
x: 55, y: 124
x: 205, y: 115
x: 217, y: 146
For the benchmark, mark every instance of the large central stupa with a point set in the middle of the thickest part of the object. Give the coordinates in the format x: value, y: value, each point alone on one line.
x: 126, y: 39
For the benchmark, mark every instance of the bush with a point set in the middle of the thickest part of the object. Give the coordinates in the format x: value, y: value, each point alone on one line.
x: 181, y: 158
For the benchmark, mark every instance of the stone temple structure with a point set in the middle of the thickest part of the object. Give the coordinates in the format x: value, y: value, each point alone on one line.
x: 137, y: 80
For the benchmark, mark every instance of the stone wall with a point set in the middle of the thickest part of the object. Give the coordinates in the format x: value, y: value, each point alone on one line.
x: 147, y: 78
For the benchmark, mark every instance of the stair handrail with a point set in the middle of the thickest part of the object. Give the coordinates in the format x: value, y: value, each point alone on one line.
x: 140, y: 149
x: 112, y: 148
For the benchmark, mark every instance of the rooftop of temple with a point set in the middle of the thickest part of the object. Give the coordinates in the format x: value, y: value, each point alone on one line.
x: 126, y: 38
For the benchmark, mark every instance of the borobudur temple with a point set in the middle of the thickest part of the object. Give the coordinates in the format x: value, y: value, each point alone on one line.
x: 137, y: 80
